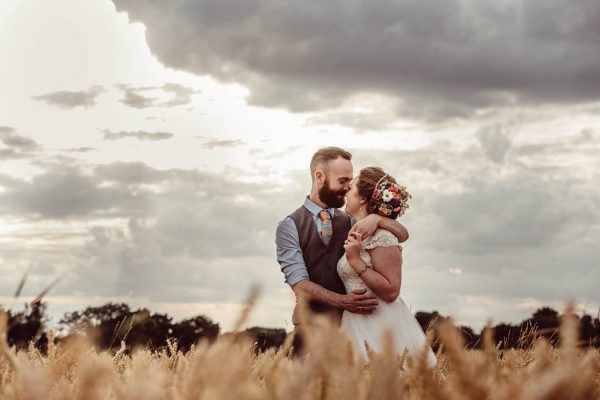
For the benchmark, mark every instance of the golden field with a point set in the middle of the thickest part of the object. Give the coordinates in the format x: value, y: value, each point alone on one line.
x: 229, y: 369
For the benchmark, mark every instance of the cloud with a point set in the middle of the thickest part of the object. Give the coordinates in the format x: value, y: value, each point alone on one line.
x: 213, y: 143
x: 520, y: 211
x: 437, y: 60
x: 13, y: 145
x: 525, y: 227
x: 141, y: 135
x: 501, y: 195
x: 495, y: 142
x: 190, y: 236
x: 83, y: 149
x: 359, y: 121
x: 69, y: 100
x: 8, y: 181
x: 137, y: 97
x: 64, y: 192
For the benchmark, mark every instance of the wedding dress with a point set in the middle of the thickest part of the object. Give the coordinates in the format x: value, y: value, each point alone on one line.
x: 395, y: 317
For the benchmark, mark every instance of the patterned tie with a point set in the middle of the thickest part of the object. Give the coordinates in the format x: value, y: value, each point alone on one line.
x: 326, y: 229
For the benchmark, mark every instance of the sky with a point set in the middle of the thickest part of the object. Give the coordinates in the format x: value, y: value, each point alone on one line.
x: 148, y: 149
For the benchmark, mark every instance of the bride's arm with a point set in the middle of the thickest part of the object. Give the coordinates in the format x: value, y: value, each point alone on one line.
x: 385, y: 278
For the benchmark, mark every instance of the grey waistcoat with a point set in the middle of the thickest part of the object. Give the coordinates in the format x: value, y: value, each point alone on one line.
x: 321, y: 260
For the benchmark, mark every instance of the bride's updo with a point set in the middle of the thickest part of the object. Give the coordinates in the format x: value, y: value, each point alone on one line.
x: 385, y: 197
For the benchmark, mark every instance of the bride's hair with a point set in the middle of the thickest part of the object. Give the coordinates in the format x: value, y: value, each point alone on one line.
x: 385, y: 197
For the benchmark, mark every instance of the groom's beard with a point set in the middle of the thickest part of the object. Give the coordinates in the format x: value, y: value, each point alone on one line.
x: 331, y: 198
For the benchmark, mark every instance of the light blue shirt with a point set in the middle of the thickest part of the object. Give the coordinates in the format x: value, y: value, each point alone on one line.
x: 289, y: 253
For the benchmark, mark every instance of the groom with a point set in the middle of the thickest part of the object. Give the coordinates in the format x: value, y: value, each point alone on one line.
x: 310, y: 241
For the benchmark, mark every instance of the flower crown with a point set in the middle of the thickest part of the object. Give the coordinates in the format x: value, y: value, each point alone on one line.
x: 389, y: 198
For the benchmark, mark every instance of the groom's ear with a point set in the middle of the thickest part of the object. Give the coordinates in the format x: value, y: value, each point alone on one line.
x: 319, y: 177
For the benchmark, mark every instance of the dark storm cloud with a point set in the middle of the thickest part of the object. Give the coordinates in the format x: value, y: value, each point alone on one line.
x: 127, y: 190
x: 68, y: 100
x: 153, y: 96
x: 64, y: 192
x: 523, y: 211
x: 438, y: 59
x: 13, y: 145
x: 141, y: 135
x: 199, y: 232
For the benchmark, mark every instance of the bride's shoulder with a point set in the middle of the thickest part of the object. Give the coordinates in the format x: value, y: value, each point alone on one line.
x: 381, y: 238
x: 380, y: 232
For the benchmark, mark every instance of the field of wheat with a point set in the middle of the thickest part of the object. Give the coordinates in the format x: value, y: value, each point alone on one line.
x: 229, y: 368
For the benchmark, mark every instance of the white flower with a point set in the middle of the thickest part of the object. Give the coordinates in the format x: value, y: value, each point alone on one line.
x: 387, y: 195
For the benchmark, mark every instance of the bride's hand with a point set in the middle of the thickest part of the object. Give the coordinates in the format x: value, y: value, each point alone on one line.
x: 352, y: 245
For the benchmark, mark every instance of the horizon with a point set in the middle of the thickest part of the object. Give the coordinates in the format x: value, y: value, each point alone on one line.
x: 478, y: 330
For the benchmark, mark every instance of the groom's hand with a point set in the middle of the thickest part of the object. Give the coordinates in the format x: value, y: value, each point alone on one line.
x: 366, y: 226
x: 359, y: 302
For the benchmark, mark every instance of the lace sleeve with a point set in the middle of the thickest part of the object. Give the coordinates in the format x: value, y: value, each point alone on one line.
x: 381, y: 238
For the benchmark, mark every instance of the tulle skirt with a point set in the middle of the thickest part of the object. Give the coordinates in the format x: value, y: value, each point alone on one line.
x: 394, y: 317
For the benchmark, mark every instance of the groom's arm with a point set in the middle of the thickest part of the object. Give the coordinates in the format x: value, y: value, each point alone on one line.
x: 367, y: 226
x: 395, y: 227
x: 357, y: 301
x: 289, y: 253
x: 291, y: 261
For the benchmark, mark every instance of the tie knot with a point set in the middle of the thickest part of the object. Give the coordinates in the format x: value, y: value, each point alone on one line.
x: 324, y: 214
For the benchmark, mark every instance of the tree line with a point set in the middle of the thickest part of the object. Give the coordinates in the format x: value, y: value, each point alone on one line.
x: 111, y: 324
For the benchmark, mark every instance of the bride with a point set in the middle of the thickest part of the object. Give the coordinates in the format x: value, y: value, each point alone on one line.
x: 375, y: 264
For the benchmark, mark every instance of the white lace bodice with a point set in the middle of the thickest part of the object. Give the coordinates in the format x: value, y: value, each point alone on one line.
x: 381, y: 238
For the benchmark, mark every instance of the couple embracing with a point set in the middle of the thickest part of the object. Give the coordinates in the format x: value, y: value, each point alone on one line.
x: 348, y: 265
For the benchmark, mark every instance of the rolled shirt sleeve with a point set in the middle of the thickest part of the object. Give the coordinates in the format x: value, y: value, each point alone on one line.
x: 289, y: 253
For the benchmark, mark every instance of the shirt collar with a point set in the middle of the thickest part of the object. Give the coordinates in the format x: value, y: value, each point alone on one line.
x: 315, y: 209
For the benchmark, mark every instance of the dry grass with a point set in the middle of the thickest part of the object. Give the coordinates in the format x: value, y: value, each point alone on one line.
x: 229, y: 369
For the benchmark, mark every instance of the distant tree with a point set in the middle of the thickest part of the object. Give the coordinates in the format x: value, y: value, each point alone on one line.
x: 94, y: 316
x: 470, y: 338
x: 587, y: 331
x: 427, y: 320
x: 111, y: 323
x: 266, y: 338
x: 546, y: 318
x: 190, y: 331
x: 507, y: 336
x: 544, y: 323
x: 107, y: 325
x: 431, y: 321
x: 28, y: 326
x: 144, y: 329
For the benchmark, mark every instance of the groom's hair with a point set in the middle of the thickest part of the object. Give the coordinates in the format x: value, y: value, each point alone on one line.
x: 324, y: 155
